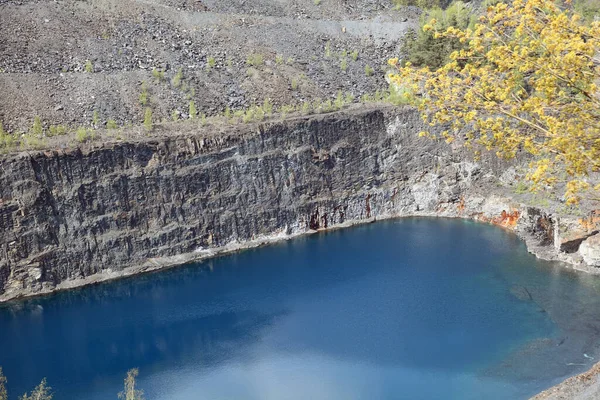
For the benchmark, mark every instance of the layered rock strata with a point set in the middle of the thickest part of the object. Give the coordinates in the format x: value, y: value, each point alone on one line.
x: 77, y: 216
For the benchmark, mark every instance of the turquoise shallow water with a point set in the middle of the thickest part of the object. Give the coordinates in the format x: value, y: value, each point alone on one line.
x: 404, y: 309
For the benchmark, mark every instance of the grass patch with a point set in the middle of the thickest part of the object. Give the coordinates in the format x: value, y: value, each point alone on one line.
x: 255, y: 60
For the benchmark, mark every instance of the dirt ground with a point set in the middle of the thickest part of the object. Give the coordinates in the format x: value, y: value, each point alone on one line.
x: 216, y: 53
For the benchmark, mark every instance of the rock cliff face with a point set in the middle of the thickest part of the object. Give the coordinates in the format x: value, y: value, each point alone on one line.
x: 72, y: 217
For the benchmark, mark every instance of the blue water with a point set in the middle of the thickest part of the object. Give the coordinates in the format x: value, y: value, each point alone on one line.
x: 404, y: 309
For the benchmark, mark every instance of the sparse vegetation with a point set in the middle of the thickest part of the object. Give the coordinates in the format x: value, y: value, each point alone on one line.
x: 3, y: 392
x: 33, y: 142
x: 369, y: 70
x: 423, y: 49
x: 144, y: 95
x: 255, y: 60
x: 95, y: 119
x: 158, y: 74
x: 354, y: 55
x: 37, y: 129
x: 57, y: 130
x: 521, y: 188
x: 424, y: 4
x: 317, y: 2
x: 210, y: 63
x: 306, y: 108
x: 44, y: 392
x: 295, y: 83
x: 267, y: 106
x: 344, y: 64
x: 192, y: 110
x: 148, y: 119
x: 111, y: 124
x: 328, y: 50
x: 89, y: 68
x: 41, y: 392
x: 178, y: 78
x: 588, y: 9
x: 81, y: 135
x: 129, y: 390
x: 7, y: 141
x: 279, y: 59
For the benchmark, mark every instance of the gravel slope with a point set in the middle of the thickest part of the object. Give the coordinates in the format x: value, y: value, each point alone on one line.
x: 46, y: 44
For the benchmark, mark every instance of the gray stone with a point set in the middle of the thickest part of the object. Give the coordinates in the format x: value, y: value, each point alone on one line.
x: 590, y: 250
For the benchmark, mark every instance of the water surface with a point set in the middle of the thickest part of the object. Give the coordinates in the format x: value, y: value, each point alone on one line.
x: 411, y: 308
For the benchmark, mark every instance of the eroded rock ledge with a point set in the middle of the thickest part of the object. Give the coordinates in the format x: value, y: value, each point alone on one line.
x: 73, y: 217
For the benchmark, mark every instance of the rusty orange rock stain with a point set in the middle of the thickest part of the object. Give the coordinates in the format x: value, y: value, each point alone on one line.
x: 505, y: 219
x: 592, y: 222
x: 461, y: 205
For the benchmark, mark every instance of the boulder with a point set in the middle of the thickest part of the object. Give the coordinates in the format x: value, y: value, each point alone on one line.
x: 590, y: 250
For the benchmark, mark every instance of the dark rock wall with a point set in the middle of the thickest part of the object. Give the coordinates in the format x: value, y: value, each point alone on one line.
x: 68, y: 215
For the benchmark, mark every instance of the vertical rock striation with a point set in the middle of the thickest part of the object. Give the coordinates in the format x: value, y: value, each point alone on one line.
x: 71, y: 217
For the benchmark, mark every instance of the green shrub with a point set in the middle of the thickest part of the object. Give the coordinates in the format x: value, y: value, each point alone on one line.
x: 328, y: 50
x: 354, y: 55
x: 177, y: 78
x: 306, y: 109
x: 521, y: 188
x: 89, y: 68
x: 424, y: 4
x: 286, y: 109
x: 344, y: 64
x: 279, y: 59
x: 32, y: 141
x: 57, y: 130
x: 111, y: 124
x: 317, y: 2
x: 210, y: 64
x: 192, y: 110
x: 144, y: 95
x: 588, y: 9
x: 95, y: 119
x: 295, y: 83
x: 37, y: 129
x: 399, y: 95
x: 158, y: 74
x: 148, y: 119
x: 255, y: 60
x: 81, y: 135
x: 7, y: 141
x: 368, y: 70
x: 423, y: 49
x: 267, y: 106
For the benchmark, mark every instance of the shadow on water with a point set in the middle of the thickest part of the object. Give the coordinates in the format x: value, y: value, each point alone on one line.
x: 404, y: 300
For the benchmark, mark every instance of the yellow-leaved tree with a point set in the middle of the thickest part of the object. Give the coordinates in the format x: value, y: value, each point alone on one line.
x: 526, y: 80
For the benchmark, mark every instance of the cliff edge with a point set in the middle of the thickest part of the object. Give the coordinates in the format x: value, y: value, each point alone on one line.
x: 75, y: 216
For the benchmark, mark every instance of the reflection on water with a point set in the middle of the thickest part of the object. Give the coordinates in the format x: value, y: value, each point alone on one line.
x: 414, y: 308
